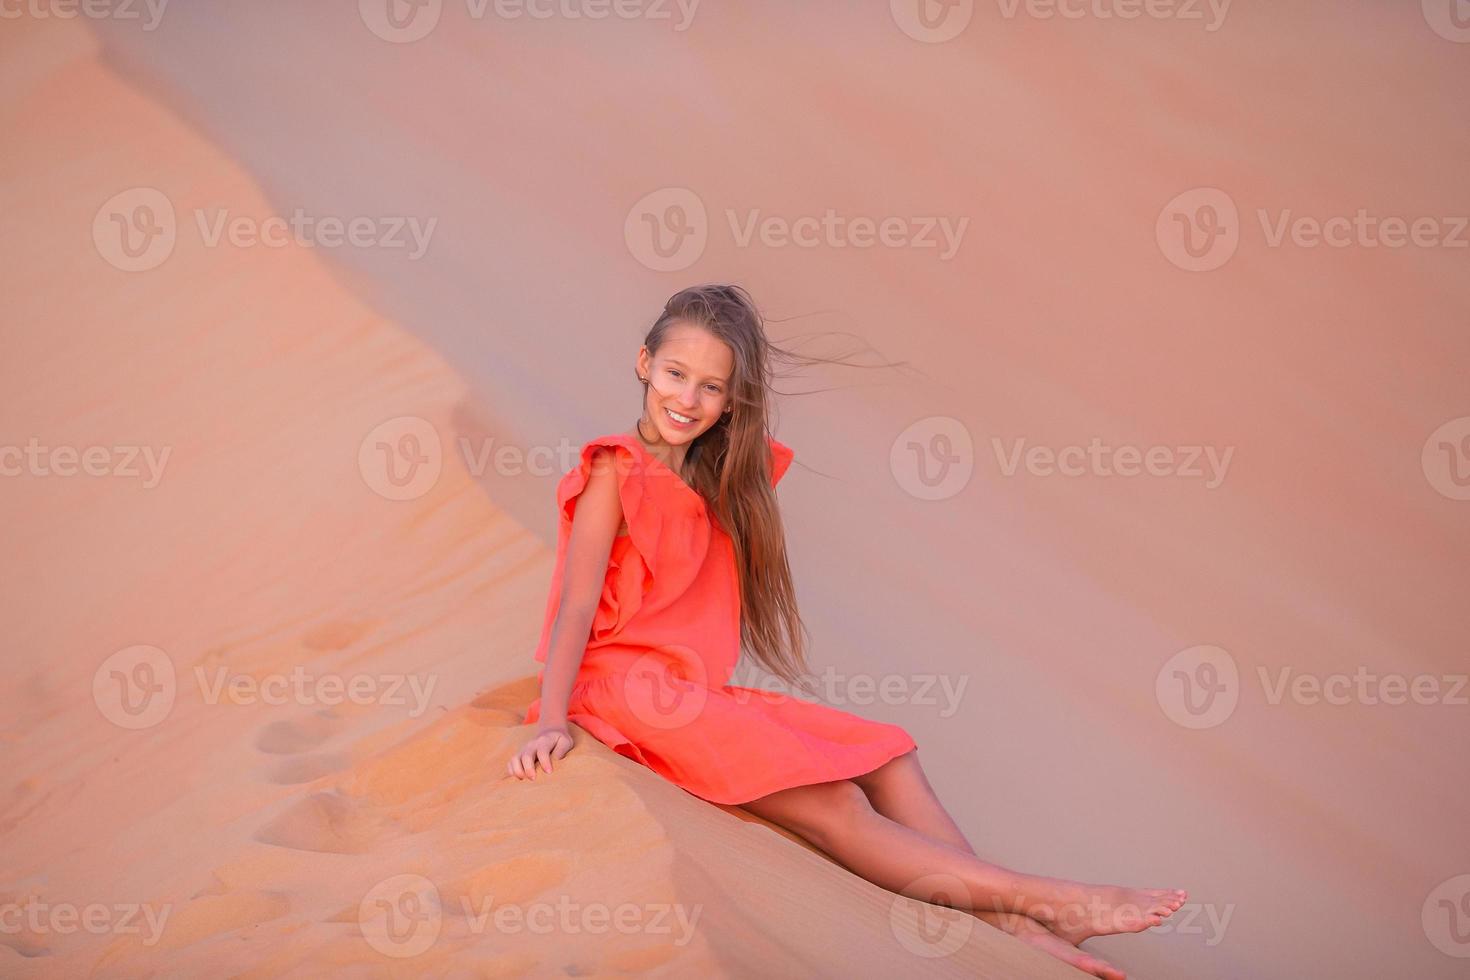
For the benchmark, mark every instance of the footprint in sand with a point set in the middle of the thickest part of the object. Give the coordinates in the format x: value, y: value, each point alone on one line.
x: 18, y: 935
x: 299, y: 735
x: 329, y: 823
x: 206, y: 914
x: 505, y: 706
x: 307, y: 768
x: 337, y: 635
x: 517, y: 880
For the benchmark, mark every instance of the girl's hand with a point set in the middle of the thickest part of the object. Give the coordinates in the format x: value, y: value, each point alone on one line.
x: 546, y: 745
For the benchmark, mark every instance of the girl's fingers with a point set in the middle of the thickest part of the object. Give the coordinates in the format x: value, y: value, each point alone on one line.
x: 522, y: 765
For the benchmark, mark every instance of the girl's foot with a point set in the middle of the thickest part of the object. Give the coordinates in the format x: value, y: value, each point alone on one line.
x: 1077, y: 912
x: 1038, y: 936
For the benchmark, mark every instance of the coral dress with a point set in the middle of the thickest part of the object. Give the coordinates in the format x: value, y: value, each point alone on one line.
x: 665, y: 640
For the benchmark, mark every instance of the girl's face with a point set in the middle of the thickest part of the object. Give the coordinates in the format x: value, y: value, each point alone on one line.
x: 688, y: 382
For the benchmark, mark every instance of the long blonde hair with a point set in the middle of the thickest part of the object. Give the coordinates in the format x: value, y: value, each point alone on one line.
x: 729, y: 465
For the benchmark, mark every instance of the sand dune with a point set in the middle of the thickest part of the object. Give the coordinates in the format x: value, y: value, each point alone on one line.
x: 235, y: 836
x: 257, y: 395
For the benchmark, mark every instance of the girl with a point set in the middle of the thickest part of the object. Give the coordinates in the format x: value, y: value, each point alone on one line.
x: 671, y: 558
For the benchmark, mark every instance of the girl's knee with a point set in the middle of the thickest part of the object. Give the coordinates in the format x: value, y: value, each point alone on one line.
x: 836, y: 807
x: 817, y: 811
x: 897, y: 767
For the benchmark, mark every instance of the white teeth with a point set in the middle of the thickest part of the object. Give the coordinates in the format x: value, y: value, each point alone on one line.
x: 679, y: 418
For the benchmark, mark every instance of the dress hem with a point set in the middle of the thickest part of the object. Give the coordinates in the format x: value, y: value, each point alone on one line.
x: 784, y: 785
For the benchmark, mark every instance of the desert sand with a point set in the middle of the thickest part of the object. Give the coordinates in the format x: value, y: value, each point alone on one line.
x: 237, y: 837
x: 245, y: 553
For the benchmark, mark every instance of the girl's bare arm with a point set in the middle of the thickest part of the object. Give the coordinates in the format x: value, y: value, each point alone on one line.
x: 595, y: 521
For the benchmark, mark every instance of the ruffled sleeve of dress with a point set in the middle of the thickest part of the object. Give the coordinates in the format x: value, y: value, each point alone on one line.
x: 665, y: 545
x: 635, y: 490
x: 781, y: 456
x: 633, y: 561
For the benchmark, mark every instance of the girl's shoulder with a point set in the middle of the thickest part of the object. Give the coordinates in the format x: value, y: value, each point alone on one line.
x: 635, y: 460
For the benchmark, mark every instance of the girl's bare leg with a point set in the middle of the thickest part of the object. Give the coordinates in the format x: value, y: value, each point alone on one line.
x: 838, y: 818
x: 901, y: 792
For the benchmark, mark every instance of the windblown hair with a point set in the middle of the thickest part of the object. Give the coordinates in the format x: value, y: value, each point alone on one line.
x: 729, y: 465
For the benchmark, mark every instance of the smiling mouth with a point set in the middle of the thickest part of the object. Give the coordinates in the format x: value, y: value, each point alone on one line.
x: 681, y: 419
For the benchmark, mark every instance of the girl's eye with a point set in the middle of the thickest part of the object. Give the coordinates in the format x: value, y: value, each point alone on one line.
x: 712, y: 389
